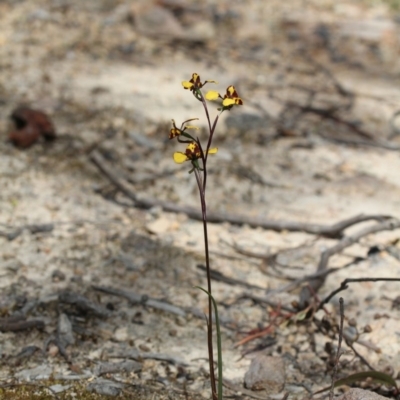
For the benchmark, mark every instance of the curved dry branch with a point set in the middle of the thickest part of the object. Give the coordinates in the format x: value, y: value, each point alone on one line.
x: 314, y: 284
x: 331, y: 231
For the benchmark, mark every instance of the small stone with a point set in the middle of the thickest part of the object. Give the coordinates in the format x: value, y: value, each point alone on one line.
x: 126, y: 366
x: 144, y: 347
x: 59, y: 388
x: 202, y: 31
x: 57, y: 276
x: 118, y: 122
x: 52, y: 350
x: 105, y: 334
x: 105, y: 387
x: 38, y: 373
x: 12, y: 265
x: 304, y: 346
x: 161, y: 225
x: 180, y: 321
x: 64, y: 331
x: 121, y: 334
x: 266, y: 373
x: 360, y: 394
x: 156, y: 21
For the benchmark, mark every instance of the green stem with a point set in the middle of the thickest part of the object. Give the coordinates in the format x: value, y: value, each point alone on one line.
x: 210, y: 306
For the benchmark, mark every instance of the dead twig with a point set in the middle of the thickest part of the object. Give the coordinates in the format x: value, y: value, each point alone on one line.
x: 158, y: 304
x: 218, y: 276
x: 344, y: 285
x: 11, y: 325
x: 139, y: 299
x: 315, y: 284
x: 276, y: 319
x: 134, y: 354
x: 363, y: 360
x: 328, y: 114
x: 13, y: 233
x: 83, y: 304
x: 331, y: 231
x: 319, y: 274
x: 266, y: 300
x: 381, y: 144
x: 270, y: 256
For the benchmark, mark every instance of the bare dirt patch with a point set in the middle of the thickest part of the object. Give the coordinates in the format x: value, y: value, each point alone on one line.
x: 106, y: 280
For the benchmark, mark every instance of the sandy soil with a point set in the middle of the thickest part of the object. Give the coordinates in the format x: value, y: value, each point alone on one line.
x: 108, y: 73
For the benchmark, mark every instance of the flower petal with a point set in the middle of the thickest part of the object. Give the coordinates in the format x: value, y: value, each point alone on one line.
x: 231, y: 91
x: 180, y: 158
x: 187, y: 84
x: 174, y: 132
x: 210, y: 82
x: 195, y: 77
x: 238, y: 101
x: 212, y: 95
x: 192, y: 127
x: 228, y: 102
x: 213, y: 150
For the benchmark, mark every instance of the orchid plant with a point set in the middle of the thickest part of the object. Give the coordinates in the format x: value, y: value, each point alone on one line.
x: 197, y: 152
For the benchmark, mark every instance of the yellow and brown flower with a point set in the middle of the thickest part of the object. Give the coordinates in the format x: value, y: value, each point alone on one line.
x: 192, y: 153
x: 230, y: 99
x: 195, y: 83
x: 175, y: 131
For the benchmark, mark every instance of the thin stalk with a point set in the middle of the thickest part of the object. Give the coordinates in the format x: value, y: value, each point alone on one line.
x: 212, y: 133
x: 210, y: 137
x: 219, y: 343
x: 203, y: 101
x: 210, y: 305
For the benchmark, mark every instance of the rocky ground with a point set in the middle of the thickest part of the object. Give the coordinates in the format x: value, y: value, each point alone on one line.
x: 97, y: 273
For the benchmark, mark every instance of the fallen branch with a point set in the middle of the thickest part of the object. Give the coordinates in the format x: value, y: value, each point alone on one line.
x: 266, y: 300
x: 378, y: 143
x: 331, y: 231
x: 220, y: 277
x: 134, y: 354
x: 83, y: 304
x: 157, y: 304
x: 139, y: 299
x: 11, y: 325
x: 344, y: 285
x: 289, y: 287
x: 13, y: 233
x: 314, y: 284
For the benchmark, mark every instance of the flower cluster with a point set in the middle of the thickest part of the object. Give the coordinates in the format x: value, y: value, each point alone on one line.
x: 194, y: 151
